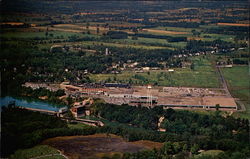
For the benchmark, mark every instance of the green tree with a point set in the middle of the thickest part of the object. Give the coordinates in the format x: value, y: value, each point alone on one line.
x: 168, y: 148
x: 217, y: 107
x: 194, y: 149
x: 192, y: 66
x: 87, y: 25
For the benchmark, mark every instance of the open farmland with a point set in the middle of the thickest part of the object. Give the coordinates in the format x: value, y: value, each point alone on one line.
x: 117, y: 44
x: 233, y: 24
x: 155, y: 42
x: 97, y: 146
x: 165, y: 32
x: 202, y: 76
x: 239, y: 85
x: 36, y: 34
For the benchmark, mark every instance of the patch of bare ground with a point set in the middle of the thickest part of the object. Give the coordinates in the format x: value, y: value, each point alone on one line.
x: 149, y: 144
x: 194, y: 38
x: 59, y: 29
x: 98, y: 145
x: 233, y: 24
x: 12, y: 23
x: 164, y: 31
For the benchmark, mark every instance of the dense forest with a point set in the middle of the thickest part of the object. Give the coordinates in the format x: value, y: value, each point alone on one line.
x: 207, y: 131
x: 22, y: 129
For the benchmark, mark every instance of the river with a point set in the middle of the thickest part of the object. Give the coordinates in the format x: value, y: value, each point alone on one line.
x: 30, y: 103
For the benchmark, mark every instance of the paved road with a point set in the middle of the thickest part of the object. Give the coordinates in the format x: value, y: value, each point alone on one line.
x: 223, y: 81
x: 86, y: 121
x: 241, y: 104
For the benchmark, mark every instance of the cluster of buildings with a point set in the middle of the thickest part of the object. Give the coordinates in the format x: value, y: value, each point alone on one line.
x: 81, y: 108
x: 194, y: 54
x: 168, y: 97
x: 51, y: 87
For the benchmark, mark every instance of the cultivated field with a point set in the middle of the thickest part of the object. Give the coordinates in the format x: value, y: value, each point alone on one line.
x: 165, y: 32
x: 233, y: 24
x: 36, y: 34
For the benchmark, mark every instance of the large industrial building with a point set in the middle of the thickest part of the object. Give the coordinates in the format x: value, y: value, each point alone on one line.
x: 168, y: 97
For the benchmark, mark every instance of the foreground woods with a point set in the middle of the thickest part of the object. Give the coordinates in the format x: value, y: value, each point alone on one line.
x: 186, y: 132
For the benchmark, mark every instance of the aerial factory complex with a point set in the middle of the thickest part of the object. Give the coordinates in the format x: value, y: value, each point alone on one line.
x: 87, y: 79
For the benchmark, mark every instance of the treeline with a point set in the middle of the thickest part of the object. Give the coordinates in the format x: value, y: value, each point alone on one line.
x: 23, y: 129
x: 138, y: 117
x: 18, y: 125
x: 199, y: 46
x: 50, y: 96
x: 214, y: 126
x: 27, y: 91
x: 22, y: 62
x: 24, y: 25
x: 180, y: 150
x: 228, y: 30
x: 13, y: 65
x: 240, y: 61
x: 117, y: 35
x: 181, y: 24
x: 168, y: 38
x: 131, y: 133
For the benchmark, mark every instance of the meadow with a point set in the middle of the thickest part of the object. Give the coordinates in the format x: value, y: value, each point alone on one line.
x: 31, y: 33
x: 42, y: 151
x: 77, y: 125
x: 188, y: 33
x: 203, y: 75
x: 208, y: 153
x: 237, y: 78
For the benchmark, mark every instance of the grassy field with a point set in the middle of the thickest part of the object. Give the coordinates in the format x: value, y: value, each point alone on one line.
x: 180, y: 29
x: 202, y: 76
x: 77, y: 126
x: 229, y: 38
x: 40, y: 150
x: 117, y: 44
x: 149, y: 43
x: 38, y: 34
x: 239, y: 85
x: 156, y: 42
x: 209, y: 153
